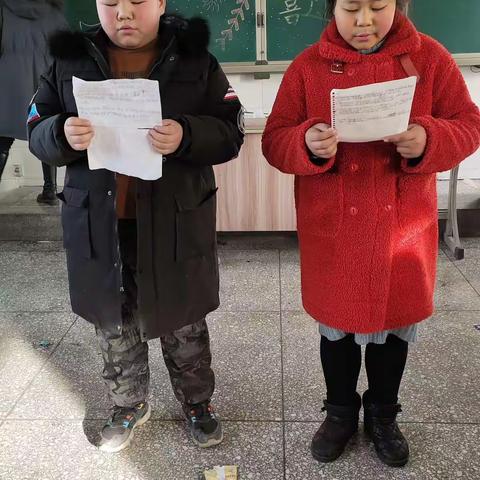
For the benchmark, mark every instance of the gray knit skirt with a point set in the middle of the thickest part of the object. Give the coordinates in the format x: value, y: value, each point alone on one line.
x: 408, y: 334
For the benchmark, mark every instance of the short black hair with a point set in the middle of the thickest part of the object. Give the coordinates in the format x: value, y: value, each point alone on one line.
x: 330, y: 6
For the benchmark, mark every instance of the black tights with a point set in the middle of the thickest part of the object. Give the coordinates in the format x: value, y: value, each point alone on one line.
x: 341, y: 362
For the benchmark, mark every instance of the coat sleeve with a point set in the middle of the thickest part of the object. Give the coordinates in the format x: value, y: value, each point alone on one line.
x: 46, y: 120
x: 453, y: 129
x: 283, y: 141
x: 217, y: 135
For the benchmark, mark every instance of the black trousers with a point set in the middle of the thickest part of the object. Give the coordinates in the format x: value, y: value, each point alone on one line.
x: 49, y: 178
x: 186, y: 351
x: 385, y: 364
x: 49, y: 172
x: 5, y: 145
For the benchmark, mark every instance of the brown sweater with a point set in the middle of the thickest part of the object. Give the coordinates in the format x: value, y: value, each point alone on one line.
x: 130, y: 64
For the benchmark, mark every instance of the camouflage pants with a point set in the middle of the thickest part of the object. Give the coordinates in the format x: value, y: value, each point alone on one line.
x: 186, y: 351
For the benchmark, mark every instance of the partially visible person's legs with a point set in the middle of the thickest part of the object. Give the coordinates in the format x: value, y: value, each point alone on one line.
x: 5, y: 145
x: 188, y: 358
x: 341, y: 362
x: 385, y: 364
x: 49, y: 191
x: 126, y: 375
x: 187, y: 355
x: 126, y: 372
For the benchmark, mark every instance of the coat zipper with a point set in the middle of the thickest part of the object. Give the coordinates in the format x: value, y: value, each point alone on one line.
x: 105, y: 69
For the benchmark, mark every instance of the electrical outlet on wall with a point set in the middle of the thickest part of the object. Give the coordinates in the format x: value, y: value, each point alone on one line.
x: 17, y: 170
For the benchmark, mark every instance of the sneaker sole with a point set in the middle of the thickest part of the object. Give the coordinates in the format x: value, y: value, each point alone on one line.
x: 126, y: 443
x: 211, y: 443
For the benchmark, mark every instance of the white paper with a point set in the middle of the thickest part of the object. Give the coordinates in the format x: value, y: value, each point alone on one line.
x: 121, y: 112
x: 373, y: 112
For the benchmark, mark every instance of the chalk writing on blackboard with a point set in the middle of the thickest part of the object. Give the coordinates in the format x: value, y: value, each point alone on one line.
x: 234, y: 22
x: 296, y: 9
x: 213, y: 4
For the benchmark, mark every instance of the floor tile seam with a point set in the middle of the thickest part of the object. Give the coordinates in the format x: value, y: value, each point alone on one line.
x: 437, y: 310
x: 36, y: 311
x: 400, y: 422
x: 229, y: 421
x: 152, y: 419
x: 466, y: 279
x: 282, y: 370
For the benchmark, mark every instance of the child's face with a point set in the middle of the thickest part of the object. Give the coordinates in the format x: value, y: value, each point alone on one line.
x: 363, y: 23
x: 131, y: 23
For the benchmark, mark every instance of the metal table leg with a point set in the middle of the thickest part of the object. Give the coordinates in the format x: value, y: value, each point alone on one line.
x: 451, y: 236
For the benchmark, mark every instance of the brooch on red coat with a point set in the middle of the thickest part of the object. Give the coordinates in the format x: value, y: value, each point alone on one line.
x: 337, y: 67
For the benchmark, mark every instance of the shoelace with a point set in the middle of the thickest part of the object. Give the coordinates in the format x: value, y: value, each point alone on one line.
x: 200, y: 412
x: 123, y: 415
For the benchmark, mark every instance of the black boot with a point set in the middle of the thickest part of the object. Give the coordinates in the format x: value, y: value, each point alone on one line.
x: 333, y: 435
x: 47, y: 197
x: 49, y: 192
x: 382, y: 428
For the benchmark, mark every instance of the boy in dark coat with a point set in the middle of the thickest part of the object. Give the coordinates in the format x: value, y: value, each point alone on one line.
x: 141, y: 255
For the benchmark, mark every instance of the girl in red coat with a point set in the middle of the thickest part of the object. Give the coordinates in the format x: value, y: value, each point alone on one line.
x: 367, y: 212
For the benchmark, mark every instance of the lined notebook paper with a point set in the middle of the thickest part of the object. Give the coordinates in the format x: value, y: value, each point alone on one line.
x: 372, y: 112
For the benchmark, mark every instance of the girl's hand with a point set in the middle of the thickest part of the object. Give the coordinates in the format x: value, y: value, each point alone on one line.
x: 166, y: 138
x: 79, y: 133
x: 322, y: 140
x: 412, y: 143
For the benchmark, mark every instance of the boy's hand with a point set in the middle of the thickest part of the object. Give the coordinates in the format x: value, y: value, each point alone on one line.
x: 166, y: 138
x: 412, y: 143
x: 322, y: 140
x: 79, y: 133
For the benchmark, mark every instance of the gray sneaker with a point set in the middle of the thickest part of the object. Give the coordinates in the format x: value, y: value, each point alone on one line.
x: 118, y: 431
x: 205, y: 427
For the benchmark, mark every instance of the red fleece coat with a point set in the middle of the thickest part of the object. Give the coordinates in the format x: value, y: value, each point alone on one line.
x: 367, y: 218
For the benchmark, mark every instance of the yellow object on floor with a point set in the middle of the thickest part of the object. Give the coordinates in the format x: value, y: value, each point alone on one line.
x: 228, y: 472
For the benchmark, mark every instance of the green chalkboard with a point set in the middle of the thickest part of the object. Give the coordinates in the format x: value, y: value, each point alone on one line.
x: 455, y: 24
x: 232, y: 23
x: 292, y: 25
x: 78, y: 11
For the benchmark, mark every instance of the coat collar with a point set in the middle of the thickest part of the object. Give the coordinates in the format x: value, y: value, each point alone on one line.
x: 192, y: 37
x: 402, y: 39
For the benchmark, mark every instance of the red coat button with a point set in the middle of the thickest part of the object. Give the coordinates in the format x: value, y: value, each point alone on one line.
x: 354, y: 167
x: 353, y: 211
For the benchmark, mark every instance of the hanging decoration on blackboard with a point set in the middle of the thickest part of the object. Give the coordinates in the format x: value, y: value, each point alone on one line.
x: 238, y: 16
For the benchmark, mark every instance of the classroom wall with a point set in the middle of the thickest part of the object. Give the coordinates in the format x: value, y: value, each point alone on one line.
x: 256, y: 95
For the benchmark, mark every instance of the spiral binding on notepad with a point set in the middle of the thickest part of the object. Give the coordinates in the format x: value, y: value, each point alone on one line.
x: 332, y: 99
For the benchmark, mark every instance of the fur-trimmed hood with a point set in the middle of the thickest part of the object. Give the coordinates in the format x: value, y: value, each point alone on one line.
x: 193, y: 37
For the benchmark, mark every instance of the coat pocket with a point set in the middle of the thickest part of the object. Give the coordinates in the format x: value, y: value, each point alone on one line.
x: 75, y: 221
x: 417, y: 202
x: 196, y: 228
x: 320, y: 204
